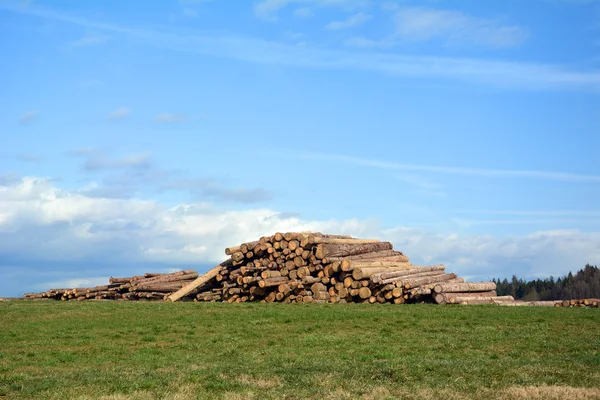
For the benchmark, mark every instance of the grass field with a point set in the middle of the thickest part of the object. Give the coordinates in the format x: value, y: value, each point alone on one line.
x: 123, y: 350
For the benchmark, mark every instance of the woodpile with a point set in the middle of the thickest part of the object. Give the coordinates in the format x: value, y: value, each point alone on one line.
x: 150, y: 286
x: 307, y: 267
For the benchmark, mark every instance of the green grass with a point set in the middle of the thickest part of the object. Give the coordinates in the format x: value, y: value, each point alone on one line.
x: 122, y: 350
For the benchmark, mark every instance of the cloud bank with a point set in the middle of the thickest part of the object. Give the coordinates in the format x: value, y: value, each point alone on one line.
x: 46, y: 229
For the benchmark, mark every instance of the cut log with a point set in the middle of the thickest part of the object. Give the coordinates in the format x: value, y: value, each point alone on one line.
x: 465, y: 287
x: 341, y: 250
x: 426, y: 280
x: 367, y: 272
x: 443, y: 298
x: 318, y: 287
x: 350, y: 265
x: 273, y: 282
x: 369, y: 256
x: 364, y: 293
x: 377, y: 278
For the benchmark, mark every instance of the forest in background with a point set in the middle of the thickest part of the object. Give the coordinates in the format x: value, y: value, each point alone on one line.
x: 584, y: 284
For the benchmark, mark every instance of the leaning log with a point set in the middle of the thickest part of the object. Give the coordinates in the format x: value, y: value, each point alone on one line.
x: 202, y: 280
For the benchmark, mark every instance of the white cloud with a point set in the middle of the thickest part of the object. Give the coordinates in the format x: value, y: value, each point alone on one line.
x: 350, y: 22
x: 454, y: 27
x: 69, y: 226
x: 120, y: 113
x: 169, y: 118
x: 29, y: 116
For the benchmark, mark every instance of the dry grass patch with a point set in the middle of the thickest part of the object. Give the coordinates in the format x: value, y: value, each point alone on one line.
x: 549, y: 393
x: 259, y: 382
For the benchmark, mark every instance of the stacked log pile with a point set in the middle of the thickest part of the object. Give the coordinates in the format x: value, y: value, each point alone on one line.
x: 150, y: 286
x: 306, y: 267
x: 311, y: 267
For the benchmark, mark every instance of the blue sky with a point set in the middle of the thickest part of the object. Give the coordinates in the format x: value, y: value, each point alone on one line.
x: 150, y: 137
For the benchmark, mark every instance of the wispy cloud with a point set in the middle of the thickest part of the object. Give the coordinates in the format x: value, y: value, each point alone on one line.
x: 468, y: 223
x: 350, y: 22
x: 92, y: 39
x: 303, y: 12
x: 98, y: 161
x: 422, y: 184
x: 169, y: 118
x: 454, y: 27
x: 518, y: 75
x: 268, y: 9
x: 120, y: 113
x: 30, y: 158
x: 29, y: 116
x: 481, y: 172
x: 209, y: 188
x: 534, y: 213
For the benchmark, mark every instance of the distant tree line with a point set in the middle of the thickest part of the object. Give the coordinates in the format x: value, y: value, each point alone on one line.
x: 584, y: 284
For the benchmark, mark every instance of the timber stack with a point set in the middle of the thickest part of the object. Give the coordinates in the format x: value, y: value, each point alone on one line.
x: 150, y: 286
x: 307, y: 267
